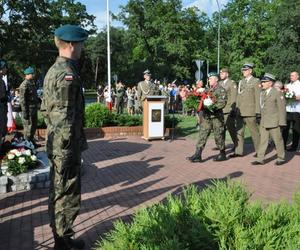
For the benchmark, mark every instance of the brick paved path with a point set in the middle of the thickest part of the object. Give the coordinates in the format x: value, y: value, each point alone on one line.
x: 127, y: 173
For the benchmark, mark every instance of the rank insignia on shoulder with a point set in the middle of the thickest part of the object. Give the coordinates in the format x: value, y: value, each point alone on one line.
x: 69, y: 77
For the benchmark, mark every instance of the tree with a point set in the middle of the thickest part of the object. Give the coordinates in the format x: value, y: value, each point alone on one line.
x: 284, y: 53
x: 27, y: 30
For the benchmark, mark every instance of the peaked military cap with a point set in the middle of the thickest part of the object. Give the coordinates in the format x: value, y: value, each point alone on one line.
x: 213, y: 74
x: 147, y: 72
x: 3, y: 64
x: 28, y: 71
x: 248, y: 66
x: 268, y: 77
x: 71, y: 33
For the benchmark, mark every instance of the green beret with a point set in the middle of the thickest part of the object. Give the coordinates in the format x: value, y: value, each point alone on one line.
x: 213, y: 74
x: 3, y: 64
x: 29, y: 71
x: 71, y: 33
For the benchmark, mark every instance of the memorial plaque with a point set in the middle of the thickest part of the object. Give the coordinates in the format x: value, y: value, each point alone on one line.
x: 156, y: 115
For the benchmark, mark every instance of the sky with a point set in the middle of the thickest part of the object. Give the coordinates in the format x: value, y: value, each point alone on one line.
x: 98, y: 8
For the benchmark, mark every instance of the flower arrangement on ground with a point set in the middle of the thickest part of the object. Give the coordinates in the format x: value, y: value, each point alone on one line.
x: 18, y: 161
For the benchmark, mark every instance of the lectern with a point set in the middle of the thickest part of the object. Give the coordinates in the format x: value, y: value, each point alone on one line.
x: 153, y: 117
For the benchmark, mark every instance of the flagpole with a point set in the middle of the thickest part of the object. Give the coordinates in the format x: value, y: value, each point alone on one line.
x: 108, y: 56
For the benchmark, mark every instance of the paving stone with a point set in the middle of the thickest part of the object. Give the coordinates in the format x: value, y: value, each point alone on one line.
x: 3, y: 180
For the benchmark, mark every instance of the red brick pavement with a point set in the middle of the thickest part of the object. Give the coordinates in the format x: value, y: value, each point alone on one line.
x: 122, y: 175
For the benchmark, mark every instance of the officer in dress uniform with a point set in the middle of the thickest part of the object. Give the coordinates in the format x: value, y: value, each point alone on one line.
x: 273, y: 117
x: 213, y: 120
x: 248, y: 109
x: 146, y: 88
x: 29, y: 105
x: 63, y: 107
x: 230, y: 109
x: 4, y: 97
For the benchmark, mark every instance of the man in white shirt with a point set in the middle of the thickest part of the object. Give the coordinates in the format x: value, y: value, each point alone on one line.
x: 293, y: 113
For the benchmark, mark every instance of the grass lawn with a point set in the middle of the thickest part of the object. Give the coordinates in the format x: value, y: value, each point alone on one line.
x: 187, y: 128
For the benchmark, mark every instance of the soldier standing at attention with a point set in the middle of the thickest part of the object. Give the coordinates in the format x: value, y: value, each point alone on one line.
x: 212, y: 120
x: 229, y: 110
x: 248, y: 109
x: 146, y: 88
x: 120, y: 93
x: 4, y: 96
x: 63, y: 106
x: 273, y: 116
x: 29, y: 105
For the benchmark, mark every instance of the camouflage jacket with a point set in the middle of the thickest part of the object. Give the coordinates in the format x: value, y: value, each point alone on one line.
x: 28, y: 95
x: 63, y: 108
x: 220, y: 95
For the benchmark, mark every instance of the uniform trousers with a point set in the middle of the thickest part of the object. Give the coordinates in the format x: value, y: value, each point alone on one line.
x: 230, y: 126
x: 215, y: 124
x: 65, y: 190
x: 250, y: 122
x: 30, y: 125
x: 275, y: 134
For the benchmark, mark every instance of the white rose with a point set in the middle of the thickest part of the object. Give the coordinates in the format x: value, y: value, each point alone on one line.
x: 207, y: 102
x: 200, y: 90
x: 8, y: 174
x: 18, y: 153
x: 10, y: 156
x: 33, y: 158
x: 21, y: 160
x: 27, y: 152
x: 14, y: 151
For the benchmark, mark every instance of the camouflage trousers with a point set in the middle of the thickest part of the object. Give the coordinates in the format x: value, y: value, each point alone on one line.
x: 30, y: 125
x: 215, y: 124
x: 64, y: 193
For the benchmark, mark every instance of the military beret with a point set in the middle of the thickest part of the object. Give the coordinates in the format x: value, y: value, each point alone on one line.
x: 71, y: 33
x: 213, y: 74
x: 268, y: 77
x: 147, y: 72
x: 28, y: 71
x: 3, y: 64
x: 248, y: 66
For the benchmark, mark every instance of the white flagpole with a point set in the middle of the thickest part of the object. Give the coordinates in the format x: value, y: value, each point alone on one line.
x: 108, y: 55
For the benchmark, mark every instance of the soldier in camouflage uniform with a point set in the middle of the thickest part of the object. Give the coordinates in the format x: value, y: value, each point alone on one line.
x: 29, y: 105
x: 63, y: 106
x: 212, y: 120
x: 120, y: 93
x: 146, y: 88
x: 4, y: 95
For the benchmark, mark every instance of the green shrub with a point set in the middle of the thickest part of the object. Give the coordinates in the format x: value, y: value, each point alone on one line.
x: 97, y: 115
x: 127, y: 120
x: 219, y: 217
x: 40, y: 123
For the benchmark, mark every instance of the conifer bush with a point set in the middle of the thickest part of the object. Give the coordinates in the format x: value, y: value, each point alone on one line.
x: 219, y: 217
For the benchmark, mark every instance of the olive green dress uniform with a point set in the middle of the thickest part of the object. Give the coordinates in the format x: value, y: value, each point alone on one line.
x: 63, y: 107
x: 273, y: 116
x: 214, y: 120
x: 145, y: 88
x: 29, y: 105
x: 230, y: 108
x: 248, y: 107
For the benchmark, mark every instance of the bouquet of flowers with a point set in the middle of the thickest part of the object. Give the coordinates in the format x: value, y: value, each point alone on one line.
x: 290, y: 96
x: 17, y: 161
x: 208, y: 100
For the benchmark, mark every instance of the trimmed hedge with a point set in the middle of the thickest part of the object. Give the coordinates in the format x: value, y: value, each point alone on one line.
x: 219, y: 217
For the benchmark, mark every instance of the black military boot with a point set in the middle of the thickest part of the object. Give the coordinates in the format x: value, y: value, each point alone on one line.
x: 221, y: 156
x: 60, y: 244
x: 196, y: 157
x: 74, y: 244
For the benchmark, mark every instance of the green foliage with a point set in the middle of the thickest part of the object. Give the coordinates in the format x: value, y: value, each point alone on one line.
x: 126, y: 120
x: 40, y: 123
x: 219, y: 217
x: 191, y: 103
x: 97, y: 115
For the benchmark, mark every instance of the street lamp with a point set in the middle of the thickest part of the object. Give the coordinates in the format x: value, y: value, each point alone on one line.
x: 219, y: 23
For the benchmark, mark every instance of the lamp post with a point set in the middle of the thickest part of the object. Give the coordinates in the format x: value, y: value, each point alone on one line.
x: 219, y: 24
x: 108, y: 57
